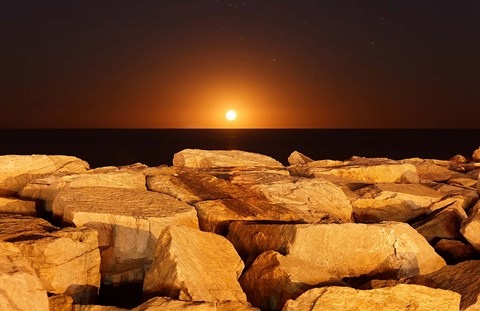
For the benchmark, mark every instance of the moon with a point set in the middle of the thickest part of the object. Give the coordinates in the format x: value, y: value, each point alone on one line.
x: 231, y: 115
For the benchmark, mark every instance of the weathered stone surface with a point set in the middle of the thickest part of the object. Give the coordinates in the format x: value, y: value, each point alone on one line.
x: 98, y: 308
x: 470, y: 228
x: 67, y: 261
x: 60, y: 303
x: 454, y: 251
x: 16, y: 206
x: 18, y: 170
x: 344, y: 250
x: 193, y: 265
x: 214, y: 158
x: 464, y: 195
x: 399, y: 297
x: 167, y: 304
x: 432, y: 170
x: 128, y: 222
x: 476, y: 155
x: 458, y: 158
x: 20, y: 288
x: 45, y: 189
x: 463, y: 182
x: 298, y: 158
x: 395, y: 202
x: 273, y: 279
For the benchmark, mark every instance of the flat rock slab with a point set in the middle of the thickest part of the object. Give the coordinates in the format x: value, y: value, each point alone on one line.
x: 221, y: 158
x: 17, y: 206
x: 193, y: 265
x: 67, y: 261
x: 128, y: 222
x: 400, y: 297
x: 387, y: 249
x: 167, y: 304
x: 20, y: 287
x: 273, y: 279
x: 18, y: 170
x: 393, y: 202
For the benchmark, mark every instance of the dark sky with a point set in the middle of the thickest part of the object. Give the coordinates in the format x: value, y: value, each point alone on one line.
x: 183, y: 64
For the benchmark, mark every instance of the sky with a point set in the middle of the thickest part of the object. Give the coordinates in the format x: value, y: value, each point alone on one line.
x: 278, y: 63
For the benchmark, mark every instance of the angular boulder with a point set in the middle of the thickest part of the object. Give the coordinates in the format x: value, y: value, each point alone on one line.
x: 221, y: 158
x: 193, y: 265
x: 128, y: 222
x: 345, y: 250
x: 476, y: 155
x: 454, y: 251
x: 16, y: 206
x: 167, y: 304
x: 298, y: 158
x: 60, y: 303
x: 399, y: 297
x: 471, y: 227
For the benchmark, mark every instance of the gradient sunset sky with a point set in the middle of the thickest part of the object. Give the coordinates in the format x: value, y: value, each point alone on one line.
x: 279, y: 64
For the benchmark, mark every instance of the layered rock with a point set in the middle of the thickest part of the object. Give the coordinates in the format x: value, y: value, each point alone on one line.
x: 471, y: 226
x: 20, y: 288
x: 16, y: 206
x: 273, y: 279
x: 60, y: 303
x: 18, y: 170
x: 399, y: 297
x: 167, y: 304
x: 221, y: 158
x: 454, y: 251
x: 128, y: 222
x: 298, y: 158
x: 394, y: 249
x: 67, y: 261
x: 193, y: 265
x: 434, y: 170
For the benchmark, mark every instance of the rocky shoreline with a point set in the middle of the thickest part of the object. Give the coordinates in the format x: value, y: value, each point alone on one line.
x: 233, y: 230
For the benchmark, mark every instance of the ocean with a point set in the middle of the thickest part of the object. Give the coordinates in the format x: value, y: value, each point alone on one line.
x: 102, y: 147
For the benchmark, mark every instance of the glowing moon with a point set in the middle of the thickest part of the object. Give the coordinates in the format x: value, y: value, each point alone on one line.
x: 231, y: 115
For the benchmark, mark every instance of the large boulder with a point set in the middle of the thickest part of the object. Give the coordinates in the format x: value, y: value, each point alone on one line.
x: 167, y: 304
x: 434, y: 170
x: 471, y: 227
x: 395, y: 202
x: 16, y: 206
x: 298, y: 158
x: 454, y: 251
x: 217, y: 158
x: 128, y: 222
x: 399, y: 297
x: 20, y: 288
x: 18, y: 170
x: 476, y: 155
x: 193, y: 265
x: 273, y: 279
x: 67, y: 261
x: 345, y: 250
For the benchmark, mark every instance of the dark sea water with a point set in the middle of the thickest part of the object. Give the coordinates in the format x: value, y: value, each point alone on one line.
x: 101, y: 147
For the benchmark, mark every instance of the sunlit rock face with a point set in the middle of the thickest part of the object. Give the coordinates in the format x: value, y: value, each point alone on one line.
x: 166, y: 304
x: 20, y: 287
x: 399, y: 297
x: 18, y: 170
x: 16, y: 206
x: 394, y: 249
x: 476, y: 155
x: 298, y: 158
x: 128, y: 222
x: 471, y: 227
x: 197, y: 158
x: 193, y: 265
x: 67, y: 261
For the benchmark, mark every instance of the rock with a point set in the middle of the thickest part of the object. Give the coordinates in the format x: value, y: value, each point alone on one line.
x: 442, y: 224
x: 476, y: 155
x: 167, y: 304
x: 458, y: 159
x: 20, y: 288
x: 454, y: 251
x: 471, y: 227
x: 193, y: 265
x: 298, y: 158
x: 96, y: 308
x: 399, y: 297
x: 18, y: 170
x: 45, y: 189
x: 464, y: 195
x: 218, y: 158
x: 67, y: 261
x: 436, y: 170
x: 128, y: 222
x: 273, y: 279
x: 395, y: 202
x: 60, y: 303
x: 16, y: 206
x: 463, y: 182
x: 345, y: 250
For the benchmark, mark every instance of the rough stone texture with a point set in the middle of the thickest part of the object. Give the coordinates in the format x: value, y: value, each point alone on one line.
x: 273, y: 279
x: 60, y: 303
x: 395, y: 202
x: 463, y: 182
x: 298, y: 158
x: 193, y: 265
x: 464, y: 195
x: 45, y: 189
x: 167, y: 304
x: 67, y: 261
x: 345, y: 250
x: 454, y: 251
x: 128, y: 222
x: 470, y: 228
x: 400, y: 297
x: 18, y: 170
x: 16, y: 206
x: 216, y: 158
x: 476, y: 155
x: 97, y: 308
x: 20, y: 288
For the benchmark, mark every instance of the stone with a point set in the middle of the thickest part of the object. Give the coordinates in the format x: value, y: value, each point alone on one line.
x: 387, y: 249
x: 298, y: 158
x: 167, y: 304
x: 16, y: 206
x: 273, y: 279
x: 197, y: 158
x: 20, y: 288
x: 464, y: 195
x: 463, y: 182
x: 436, y: 170
x: 67, y: 261
x: 458, y: 158
x: 60, y: 303
x: 476, y: 155
x: 193, y: 265
x: 18, y: 170
x: 128, y: 222
x: 395, y: 202
x: 454, y: 251
x: 400, y: 297
x: 96, y: 308
x: 470, y: 227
